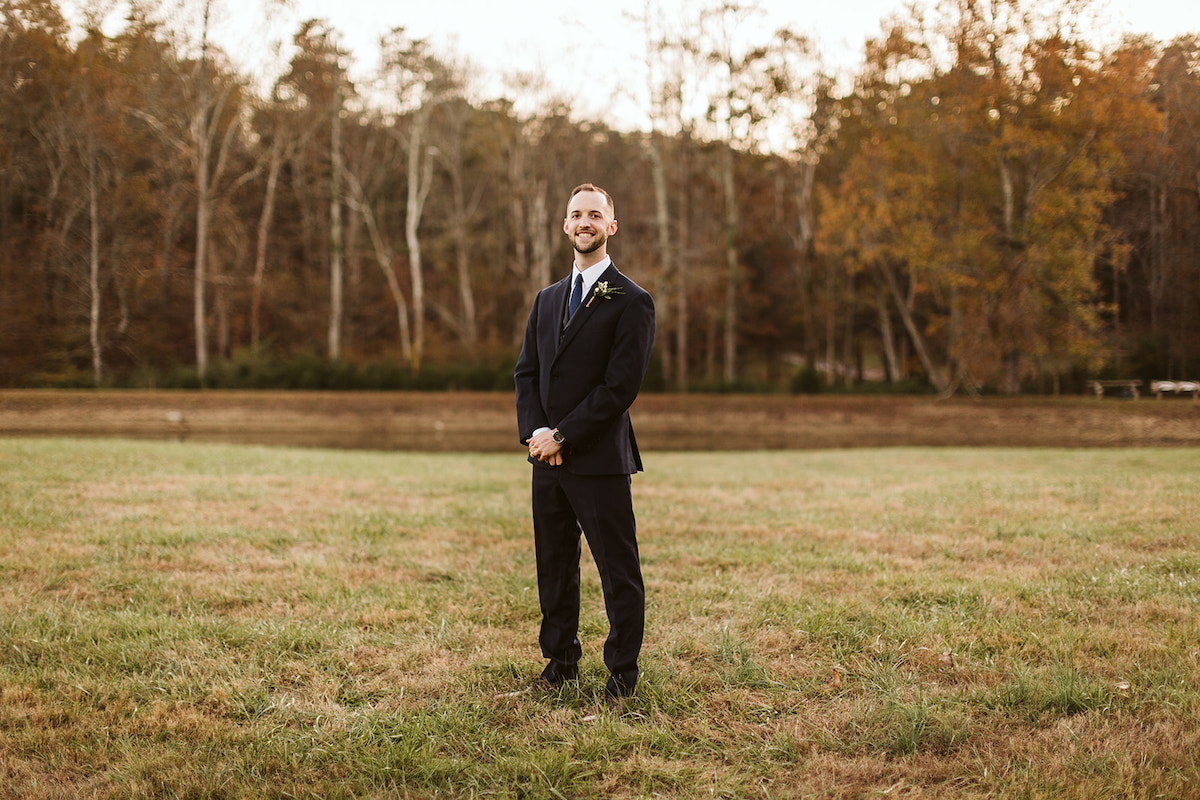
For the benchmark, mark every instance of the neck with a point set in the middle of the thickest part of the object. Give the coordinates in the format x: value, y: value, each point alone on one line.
x: 585, y: 260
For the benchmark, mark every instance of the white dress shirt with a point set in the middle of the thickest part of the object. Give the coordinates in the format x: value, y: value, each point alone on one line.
x: 590, y: 276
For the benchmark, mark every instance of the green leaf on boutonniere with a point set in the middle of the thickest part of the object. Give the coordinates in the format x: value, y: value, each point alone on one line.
x: 604, y: 292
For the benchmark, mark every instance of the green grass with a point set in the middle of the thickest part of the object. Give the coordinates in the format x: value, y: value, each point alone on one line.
x: 195, y: 621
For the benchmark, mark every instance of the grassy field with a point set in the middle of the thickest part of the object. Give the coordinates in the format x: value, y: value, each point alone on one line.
x: 214, y: 621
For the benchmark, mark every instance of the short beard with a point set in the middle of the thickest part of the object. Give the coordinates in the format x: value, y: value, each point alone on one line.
x: 597, y: 242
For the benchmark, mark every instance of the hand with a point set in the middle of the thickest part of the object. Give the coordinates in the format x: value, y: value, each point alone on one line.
x: 543, y: 447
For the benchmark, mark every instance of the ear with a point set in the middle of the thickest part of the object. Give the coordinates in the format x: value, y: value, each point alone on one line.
x: 565, y: 223
x: 612, y: 227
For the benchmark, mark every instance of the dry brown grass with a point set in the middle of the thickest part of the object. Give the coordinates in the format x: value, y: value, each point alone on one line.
x: 182, y: 620
x: 484, y: 422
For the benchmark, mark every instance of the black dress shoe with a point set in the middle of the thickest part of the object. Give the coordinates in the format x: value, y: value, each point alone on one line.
x: 548, y: 681
x: 557, y: 674
x: 618, y: 688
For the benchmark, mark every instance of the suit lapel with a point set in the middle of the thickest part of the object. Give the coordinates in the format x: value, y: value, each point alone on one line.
x: 585, y: 310
x: 556, y: 305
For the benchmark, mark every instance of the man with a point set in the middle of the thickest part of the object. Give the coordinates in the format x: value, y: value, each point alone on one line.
x: 587, y: 345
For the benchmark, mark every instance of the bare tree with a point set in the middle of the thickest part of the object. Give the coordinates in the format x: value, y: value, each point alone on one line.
x: 214, y: 124
x: 278, y: 152
x: 465, y: 201
x: 532, y: 219
x: 383, y: 256
x: 336, y: 232
x: 420, y: 82
x: 737, y: 107
x: 670, y: 63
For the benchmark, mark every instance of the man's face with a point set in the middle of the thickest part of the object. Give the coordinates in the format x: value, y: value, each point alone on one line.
x: 589, y: 222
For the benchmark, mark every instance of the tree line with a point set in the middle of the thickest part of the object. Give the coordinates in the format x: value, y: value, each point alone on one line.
x: 993, y: 203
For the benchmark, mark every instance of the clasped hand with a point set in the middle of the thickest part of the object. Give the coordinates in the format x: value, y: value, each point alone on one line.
x: 543, y: 447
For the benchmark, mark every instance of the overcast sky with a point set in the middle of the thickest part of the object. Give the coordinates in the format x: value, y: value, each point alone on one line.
x: 532, y: 33
x: 555, y: 39
x: 552, y: 38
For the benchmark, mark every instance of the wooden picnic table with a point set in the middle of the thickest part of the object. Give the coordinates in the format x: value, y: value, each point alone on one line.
x: 1133, y: 387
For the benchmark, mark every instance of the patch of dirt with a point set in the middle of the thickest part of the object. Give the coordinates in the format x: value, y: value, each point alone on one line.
x: 486, y: 422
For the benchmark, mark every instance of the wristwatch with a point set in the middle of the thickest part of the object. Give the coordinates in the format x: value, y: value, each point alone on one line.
x: 558, y: 438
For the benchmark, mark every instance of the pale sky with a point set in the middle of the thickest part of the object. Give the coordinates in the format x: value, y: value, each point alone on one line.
x: 555, y: 38
x: 588, y: 50
x: 521, y: 31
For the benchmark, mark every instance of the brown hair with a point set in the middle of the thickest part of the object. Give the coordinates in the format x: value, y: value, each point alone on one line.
x: 591, y: 187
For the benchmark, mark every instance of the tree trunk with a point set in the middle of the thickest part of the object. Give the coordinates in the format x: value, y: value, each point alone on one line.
x: 682, y: 267
x: 890, y: 360
x: 847, y: 361
x: 200, y: 278
x: 662, y: 218
x: 830, y: 327
x: 264, y: 229
x: 469, y: 326
x: 420, y: 176
x: 681, y: 317
x: 383, y: 255
x: 804, y: 268
x: 94, y: 265
x: 711, y: 320
x: 202, y: 134
x: 336, y: 282
x: 731, y: 265
x: 220, y: 297
x: 539, y: 237
x: 523, y: 267
x: 914, y: 333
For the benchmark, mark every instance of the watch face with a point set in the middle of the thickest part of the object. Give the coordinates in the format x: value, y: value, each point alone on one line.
x: 558, y: 437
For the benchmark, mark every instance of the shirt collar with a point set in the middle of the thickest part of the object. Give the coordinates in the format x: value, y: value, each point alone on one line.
x: 591, y: 274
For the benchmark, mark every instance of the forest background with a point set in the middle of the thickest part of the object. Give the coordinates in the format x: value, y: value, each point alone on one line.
x: 994, y: 204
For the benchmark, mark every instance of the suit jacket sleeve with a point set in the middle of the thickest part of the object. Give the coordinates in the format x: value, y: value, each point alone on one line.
x: 527, y: 376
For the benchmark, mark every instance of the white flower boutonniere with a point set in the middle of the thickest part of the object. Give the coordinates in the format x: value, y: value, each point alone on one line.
x: 603, y: 291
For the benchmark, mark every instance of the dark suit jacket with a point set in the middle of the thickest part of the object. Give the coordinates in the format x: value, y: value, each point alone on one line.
x: 582, y: 380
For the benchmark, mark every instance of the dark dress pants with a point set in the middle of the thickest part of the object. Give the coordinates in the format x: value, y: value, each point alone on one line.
x: 602, y: 506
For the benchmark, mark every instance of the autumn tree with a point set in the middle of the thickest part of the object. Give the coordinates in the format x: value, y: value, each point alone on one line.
x: 996, y: 203
x: 978, y: 191
x: 36, y: 62
x: 1159, y: 210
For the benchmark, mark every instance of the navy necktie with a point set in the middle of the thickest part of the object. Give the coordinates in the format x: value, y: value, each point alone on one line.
x: 576, y: 296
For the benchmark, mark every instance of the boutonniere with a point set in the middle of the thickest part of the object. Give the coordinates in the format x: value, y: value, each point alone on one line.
x: 604, y: 292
